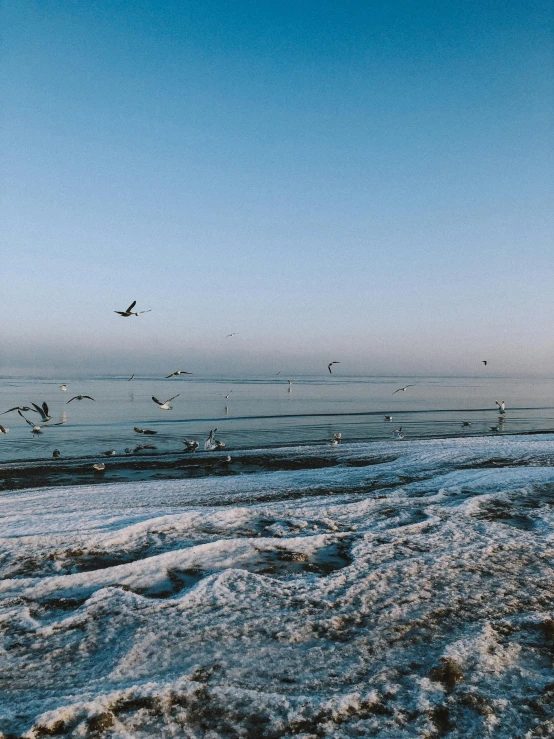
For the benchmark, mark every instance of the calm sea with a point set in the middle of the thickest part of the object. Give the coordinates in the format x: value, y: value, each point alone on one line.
x: 263, y: 412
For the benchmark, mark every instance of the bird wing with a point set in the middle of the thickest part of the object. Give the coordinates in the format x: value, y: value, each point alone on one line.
x: 159, y: 402
x: 168, y: 376
x: 121, y: 312
x: 45, y: 408
x: 497, y: 403
x: 73, y: 398
x: 88, y: 396
x: 130, y: 378
x: 38, y: 409
x: 144, y: 311
x: 173, y: 398
x: 130, y: 308
x: 26, y: 419
x: 11, y: 409
x: 397, y: 391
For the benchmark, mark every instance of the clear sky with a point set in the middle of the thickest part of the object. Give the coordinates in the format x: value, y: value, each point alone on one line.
x: 369, y: 182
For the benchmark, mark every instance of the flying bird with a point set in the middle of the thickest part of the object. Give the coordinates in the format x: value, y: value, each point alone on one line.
x: 63, y: 387
x: 402, y: 389
x: 484, y: 362
x: 179, y: 372
x: 80, y: 397
x: 42, y: 410
x: 35, y: 429
x: 130, y: 378
x: 329, y: 366
x: 165, y: 405
x: 502, y: 406
x: 130, y: 312
x: 233, y: 334
x: 229, y: 393
x: 210, y: 442
x: 3, y: 429
x: 278, y: 373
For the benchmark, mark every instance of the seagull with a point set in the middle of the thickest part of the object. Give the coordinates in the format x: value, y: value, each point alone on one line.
x: 110, y: 453
x: 484, y: 362
x: 130, y: 378
x: 210, y: 441
x: 128, y: 450
x: 179, y: 372
x: 337, y: 437
x: 17, y: 408
x: 63, y: 387
x: 130, y: 312
x: 233, y: 334
x: 42, y: 410
x: 99, y: 467
x: 219, y: 444
x: 165, y: 405
x: 466, y: 423
x: 147, y: 432
x: 80, y: 397
x: 494, y: 428
x: 56, y: 454
x: 3, y: 429
x: 397, y: 434
x: 229, y: 393
x: 502, y: 406
x: 388, y: 418
x: 35, y: 429
x: 278, y: 373
x: 191, y: 445
x: 402, y: 389
x: 227, y: 459
x: 329, y: 366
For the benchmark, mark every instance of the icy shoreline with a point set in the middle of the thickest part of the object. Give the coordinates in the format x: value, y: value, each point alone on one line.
x: 399, y: 591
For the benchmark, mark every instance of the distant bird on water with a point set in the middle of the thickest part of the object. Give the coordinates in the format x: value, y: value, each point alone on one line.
x: 179, y: 372
x: 98, y: 467
x: 80, y: 397
x: 63, y: 387
x: 466, y: 423
x: 56, y: 454
x: 330, y: 365
x: 165, y: 405
x: 130, y: 312
x: 388, y: 418
x: 501, y: 406
x: 146, y: 432
x: 191, y: 445
x: 402, y: 389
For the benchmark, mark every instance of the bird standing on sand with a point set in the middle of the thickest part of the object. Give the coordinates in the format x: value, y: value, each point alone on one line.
x: 80, y: 397
x: 165, y: 405
x: 402, y: 389
x: 179, y: 372
x: 330, y: 365
x: 129, y: 311
x: 501, y: 406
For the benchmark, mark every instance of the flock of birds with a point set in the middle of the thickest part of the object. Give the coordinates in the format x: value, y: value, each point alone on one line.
x: 211, y: 443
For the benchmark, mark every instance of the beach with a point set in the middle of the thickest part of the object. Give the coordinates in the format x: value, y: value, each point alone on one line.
x: 387, y: 589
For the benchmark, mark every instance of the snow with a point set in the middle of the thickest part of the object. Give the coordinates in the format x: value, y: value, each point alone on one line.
x: 410, y: 597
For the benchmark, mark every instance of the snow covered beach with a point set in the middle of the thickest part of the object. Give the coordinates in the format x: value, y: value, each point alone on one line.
x: 405, y: 590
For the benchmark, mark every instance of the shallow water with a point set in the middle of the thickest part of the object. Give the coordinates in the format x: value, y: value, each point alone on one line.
x: 384, y: 589
x: 261, y: 412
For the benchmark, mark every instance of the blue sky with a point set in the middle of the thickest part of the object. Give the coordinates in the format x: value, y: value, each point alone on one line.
x: 370, y: 182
